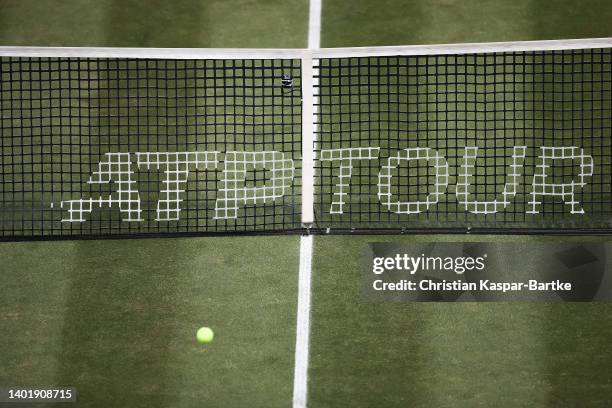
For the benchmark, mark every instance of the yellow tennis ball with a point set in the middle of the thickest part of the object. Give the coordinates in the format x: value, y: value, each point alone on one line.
x: 205, y: 335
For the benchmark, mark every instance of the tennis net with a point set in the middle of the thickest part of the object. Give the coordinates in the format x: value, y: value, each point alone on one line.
x: 107, y: 146
x: 501, y: 137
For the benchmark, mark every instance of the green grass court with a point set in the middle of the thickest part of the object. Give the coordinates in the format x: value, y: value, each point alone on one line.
x: 117, y: 318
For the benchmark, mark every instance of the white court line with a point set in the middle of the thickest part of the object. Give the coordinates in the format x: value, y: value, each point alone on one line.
x: 314, y: 25
x: 300, y: 375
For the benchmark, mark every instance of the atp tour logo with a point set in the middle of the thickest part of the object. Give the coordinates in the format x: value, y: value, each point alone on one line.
x: 234, y: 193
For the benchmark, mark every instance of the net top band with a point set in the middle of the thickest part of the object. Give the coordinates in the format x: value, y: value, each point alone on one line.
x: 296, y: 53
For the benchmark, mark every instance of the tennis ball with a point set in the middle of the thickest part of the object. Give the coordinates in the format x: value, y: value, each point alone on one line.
x: 205, y: 335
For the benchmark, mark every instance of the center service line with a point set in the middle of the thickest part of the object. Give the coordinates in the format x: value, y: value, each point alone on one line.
x: 300, y: 375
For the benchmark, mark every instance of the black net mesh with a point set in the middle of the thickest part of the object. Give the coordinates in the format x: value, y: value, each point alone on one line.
x: 497, y: 140
x: 96, y: 147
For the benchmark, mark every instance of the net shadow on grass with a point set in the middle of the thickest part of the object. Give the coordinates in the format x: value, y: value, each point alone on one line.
x: 119, y: 322
x: 362, y: 353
